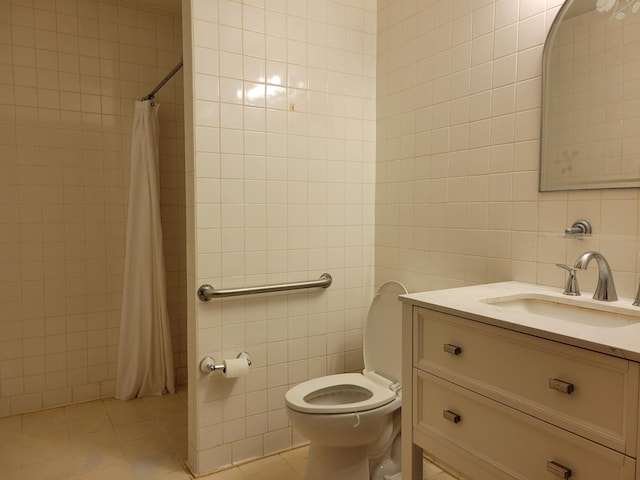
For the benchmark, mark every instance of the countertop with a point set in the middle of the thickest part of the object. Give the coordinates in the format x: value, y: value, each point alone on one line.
x: 470, y: 302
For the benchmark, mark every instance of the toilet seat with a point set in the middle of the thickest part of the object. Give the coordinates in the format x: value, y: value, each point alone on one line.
x: 355, y: 392
x: 341, y: 393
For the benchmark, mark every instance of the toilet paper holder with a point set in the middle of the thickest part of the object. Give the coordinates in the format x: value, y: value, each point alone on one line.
x: 208, y: 364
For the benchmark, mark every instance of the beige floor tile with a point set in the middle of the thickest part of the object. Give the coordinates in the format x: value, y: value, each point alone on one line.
x: 181, y: 475
x: 165, y: 404
x: 125, y: 413
x: 299, y: 466
x: 264, y: 464
x: 10, y: 452
x: 85, y: 411
x: 119, y: 472
x: 104, y: 442
x: 136, y: 430
x: 442, y: 476
x: 145, y: 447
x: 231, y: 474
x: 430, y: 470
x: 98, y: 423
x: 95, y: 451
x: 280, y: 472
x: 92, y: 440
x: 45, y: 449
x: 135, y: 440
x: 11, y: 472
x: 296, y: 455
x: 297, y: 458
x: 178, y: 435
x: 434, y: 472
x: 60, y: 468
x: 52, y: 425
x: 35, y: 422
x: 182, y: 453
x: 87, y: 416
x: 155, y: 466
x: 10, y: 426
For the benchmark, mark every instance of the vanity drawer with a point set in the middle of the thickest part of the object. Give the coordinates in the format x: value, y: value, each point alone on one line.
x: 485, y: 440
x: 585, y: 392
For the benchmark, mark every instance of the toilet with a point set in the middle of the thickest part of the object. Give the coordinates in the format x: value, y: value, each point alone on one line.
x: 352, y: 420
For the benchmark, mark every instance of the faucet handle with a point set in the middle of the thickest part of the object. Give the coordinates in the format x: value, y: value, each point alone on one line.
x: 636, y: 302
x: 571, y: 287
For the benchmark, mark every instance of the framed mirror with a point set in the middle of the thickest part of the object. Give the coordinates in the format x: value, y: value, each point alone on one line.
x: 590, y: 134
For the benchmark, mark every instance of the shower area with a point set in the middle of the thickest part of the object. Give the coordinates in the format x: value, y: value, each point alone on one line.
x: 70, y: 73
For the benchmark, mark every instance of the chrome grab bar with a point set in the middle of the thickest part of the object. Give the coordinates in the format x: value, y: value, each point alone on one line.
x: 207, y: 292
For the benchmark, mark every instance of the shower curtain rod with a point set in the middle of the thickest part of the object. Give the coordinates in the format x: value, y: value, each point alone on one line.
x: 163, y: 81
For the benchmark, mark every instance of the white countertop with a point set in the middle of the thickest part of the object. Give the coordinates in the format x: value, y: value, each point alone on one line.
x: 469, y: 302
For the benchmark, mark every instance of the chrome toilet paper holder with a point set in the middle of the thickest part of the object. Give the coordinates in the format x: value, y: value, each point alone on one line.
x: 208, y: 364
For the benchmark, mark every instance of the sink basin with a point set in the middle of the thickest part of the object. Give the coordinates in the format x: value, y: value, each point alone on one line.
x: 569, y: 310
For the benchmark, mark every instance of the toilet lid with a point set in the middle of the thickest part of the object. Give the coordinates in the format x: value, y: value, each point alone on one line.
x: 341, y: 393
x: 382, y: 343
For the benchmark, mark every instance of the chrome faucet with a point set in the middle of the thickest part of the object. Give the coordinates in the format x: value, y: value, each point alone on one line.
x: 605, y: 290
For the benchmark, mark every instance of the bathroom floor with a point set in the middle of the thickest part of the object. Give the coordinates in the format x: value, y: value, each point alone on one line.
x: 114, y: 440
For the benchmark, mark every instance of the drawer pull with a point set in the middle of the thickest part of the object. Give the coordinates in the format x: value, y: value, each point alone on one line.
x: 451, y: 416
x: 558, y: 470
x: 452, y: 349
x: 561, y: 386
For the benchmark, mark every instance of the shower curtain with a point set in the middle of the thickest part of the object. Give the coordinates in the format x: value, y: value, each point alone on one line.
x: 145, y: 358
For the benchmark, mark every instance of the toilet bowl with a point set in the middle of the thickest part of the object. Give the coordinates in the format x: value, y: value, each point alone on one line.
x: 352, y: 419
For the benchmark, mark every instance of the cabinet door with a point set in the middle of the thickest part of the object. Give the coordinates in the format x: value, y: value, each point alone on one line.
x: 588, y: 393
x: 485, y: 440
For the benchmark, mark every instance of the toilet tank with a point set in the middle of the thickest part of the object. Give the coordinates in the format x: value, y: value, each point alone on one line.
x: 382, y: 343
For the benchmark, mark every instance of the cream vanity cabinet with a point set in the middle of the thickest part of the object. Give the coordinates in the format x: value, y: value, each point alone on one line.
x: 490, y: 402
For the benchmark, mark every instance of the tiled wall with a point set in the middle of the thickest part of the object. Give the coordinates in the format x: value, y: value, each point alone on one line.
x: 69, y: 74
x: 284, y: 141
x: 458, y: 115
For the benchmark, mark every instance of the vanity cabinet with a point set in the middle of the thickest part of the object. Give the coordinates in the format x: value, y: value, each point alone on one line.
x: 492, y: 403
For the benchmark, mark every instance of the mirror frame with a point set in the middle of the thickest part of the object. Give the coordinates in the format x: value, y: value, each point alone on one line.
x: 544, y: 185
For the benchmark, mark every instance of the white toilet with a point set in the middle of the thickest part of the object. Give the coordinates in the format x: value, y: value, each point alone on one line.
x: 353, y: 420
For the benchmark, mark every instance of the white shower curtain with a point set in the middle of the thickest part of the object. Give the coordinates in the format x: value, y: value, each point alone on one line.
x: 145, y: 358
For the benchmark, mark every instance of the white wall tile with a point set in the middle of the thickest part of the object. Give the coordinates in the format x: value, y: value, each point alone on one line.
x: 501, y: 135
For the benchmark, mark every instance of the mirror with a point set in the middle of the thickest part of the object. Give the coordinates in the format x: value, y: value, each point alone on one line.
x: 591, y: 97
